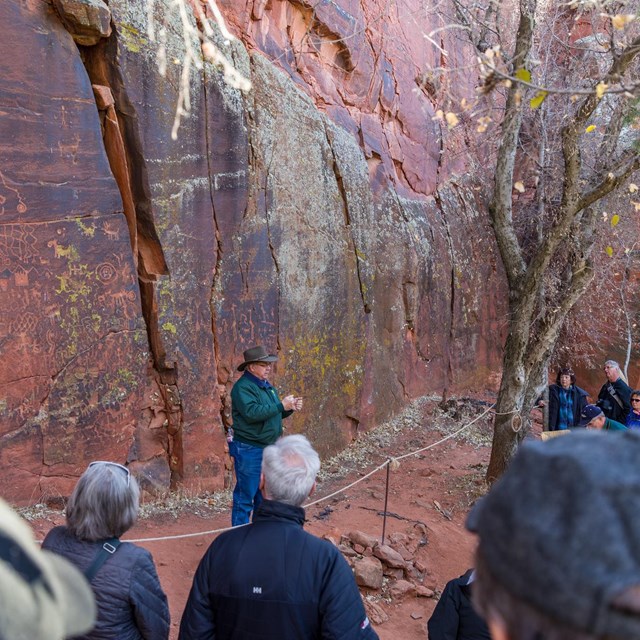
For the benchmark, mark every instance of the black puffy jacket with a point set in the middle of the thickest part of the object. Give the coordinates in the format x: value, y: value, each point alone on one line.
x: 271, y: 580
x: 130, y: 600
x: 454, y: 617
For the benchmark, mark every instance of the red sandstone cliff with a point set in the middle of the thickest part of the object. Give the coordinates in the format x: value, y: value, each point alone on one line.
x: 325, y: 214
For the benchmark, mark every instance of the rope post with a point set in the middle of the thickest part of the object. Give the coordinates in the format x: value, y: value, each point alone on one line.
x: 386, y: 499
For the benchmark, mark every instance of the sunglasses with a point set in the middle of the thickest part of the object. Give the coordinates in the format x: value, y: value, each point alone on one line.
x: 635, y: 399
x: 113, y: 464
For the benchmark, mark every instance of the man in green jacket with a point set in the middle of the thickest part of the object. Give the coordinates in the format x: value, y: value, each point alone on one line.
x: 593, y: 417
x: 257, y: 413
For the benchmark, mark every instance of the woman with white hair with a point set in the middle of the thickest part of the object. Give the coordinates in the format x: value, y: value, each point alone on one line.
x: 103, y: 506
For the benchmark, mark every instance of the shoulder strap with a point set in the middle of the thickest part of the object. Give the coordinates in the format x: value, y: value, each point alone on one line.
x: 614, y: 395
x: 104, y: 553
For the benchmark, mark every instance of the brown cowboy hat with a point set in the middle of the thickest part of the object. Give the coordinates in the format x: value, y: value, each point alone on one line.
x: 256, y: 354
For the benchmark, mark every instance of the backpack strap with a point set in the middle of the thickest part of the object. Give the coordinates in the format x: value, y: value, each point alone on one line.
x: 109, y: 547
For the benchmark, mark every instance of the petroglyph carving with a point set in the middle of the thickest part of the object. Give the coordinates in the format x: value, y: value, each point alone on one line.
x: 111, y: 230
x: 17, y: 241
x: 60, y: 251
x: 123, y: 303
x: 21, y: 277
x: 24, y: 324
x: 11, y: 198
x: 105, y: 272
x: 70, y: 149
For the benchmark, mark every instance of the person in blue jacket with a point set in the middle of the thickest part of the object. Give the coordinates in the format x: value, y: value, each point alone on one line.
x: 257, y: 413
x: 271, y: 580
x: 633, y: 419
x: 566, y: 401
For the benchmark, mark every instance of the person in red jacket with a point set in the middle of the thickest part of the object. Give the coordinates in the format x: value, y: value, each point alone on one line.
x: 271, y: 580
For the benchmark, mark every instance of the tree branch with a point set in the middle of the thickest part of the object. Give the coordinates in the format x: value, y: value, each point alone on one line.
x: 614, y: 179
x: 501, y: 207
x: 612, y: 133
x: 546, y: 338
x: 618, y: 67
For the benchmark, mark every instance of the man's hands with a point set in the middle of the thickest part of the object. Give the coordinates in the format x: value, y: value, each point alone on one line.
x: 292, y: 403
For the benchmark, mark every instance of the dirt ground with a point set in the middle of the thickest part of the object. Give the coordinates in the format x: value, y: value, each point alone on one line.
x: 435, y: 487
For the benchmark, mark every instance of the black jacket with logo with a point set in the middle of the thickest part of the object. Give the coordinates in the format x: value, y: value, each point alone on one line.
x: 271, y: 580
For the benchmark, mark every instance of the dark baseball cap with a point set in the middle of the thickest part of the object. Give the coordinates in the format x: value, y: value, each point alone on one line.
x: 560, y: 530
x: 589, y: 412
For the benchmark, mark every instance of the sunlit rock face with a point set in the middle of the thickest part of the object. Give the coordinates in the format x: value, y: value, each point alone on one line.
x: 326, y: 214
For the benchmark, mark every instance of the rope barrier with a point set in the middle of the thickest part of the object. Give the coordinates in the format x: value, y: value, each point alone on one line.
x: 335, y: 493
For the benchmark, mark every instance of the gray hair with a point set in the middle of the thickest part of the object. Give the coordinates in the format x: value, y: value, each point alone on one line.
x: 104, y: 502
x: 290, y: 467
x: 613, y: 363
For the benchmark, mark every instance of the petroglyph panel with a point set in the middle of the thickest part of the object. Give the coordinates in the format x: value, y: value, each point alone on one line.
x: 66, y: 287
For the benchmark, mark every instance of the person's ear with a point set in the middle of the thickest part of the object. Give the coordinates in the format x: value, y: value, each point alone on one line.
x: 497, y: 629
x: 315, y: 484
x: 261, y: 485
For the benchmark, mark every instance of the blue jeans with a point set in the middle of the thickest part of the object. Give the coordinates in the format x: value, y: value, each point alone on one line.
x: 247, y: 464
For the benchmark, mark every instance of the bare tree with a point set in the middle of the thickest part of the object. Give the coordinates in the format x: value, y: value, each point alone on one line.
x: 549, y: 116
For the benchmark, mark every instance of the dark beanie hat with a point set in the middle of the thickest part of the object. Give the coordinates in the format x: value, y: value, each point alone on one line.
x: 561, y: 529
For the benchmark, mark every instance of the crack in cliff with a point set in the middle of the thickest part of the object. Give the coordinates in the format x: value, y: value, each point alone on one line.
x: 347, y: 218
x: 217, y: 268
x: 449, y: 369
x: 375, y: 55
x: 124, y: 150
x: 440, y: 152
x: 54, y: 376
x: 51, y: 221
x: 269, y: 234
x: 441, y: 130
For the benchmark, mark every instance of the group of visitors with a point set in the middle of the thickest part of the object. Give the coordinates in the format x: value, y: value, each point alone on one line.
x: 541, y: 570
x: 269, y: 580
x: 617, y: 407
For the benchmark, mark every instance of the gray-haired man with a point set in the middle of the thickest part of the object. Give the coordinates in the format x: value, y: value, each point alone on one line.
x: 271, y: 580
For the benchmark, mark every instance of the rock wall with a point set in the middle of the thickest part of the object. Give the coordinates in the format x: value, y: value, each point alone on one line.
x: 325, y: 214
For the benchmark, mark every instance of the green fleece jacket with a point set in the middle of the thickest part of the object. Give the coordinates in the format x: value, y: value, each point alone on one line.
x: 613, y: 425
x: 257, y: 412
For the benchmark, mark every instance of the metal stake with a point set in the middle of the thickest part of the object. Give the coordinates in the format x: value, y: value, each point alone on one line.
x: 386, y: 499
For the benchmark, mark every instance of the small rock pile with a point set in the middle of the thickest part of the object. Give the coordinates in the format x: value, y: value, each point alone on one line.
x: 389, y: 569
